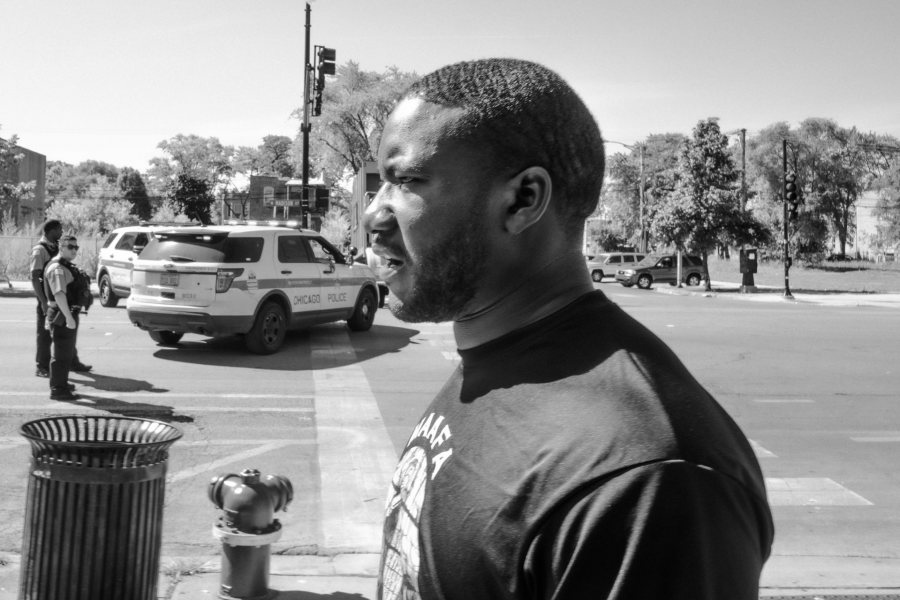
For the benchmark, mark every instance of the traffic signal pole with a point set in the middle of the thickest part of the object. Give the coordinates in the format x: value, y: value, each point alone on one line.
x: 787, y: 258
x: 305, y: 126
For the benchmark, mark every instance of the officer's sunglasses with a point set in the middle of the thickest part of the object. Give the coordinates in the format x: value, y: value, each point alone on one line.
x: 71, y: 247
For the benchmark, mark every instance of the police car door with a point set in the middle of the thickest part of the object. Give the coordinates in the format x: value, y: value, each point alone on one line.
x: 299, y: 275
x: 337, y: 292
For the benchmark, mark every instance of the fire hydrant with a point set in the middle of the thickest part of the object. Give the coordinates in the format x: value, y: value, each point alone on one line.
x: 247, y: 528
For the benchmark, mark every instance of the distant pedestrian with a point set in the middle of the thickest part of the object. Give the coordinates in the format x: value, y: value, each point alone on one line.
x: 46, y: 249
x: 571, y: 455
x: 67, y: 290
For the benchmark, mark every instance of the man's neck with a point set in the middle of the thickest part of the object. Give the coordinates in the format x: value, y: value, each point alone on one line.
x: 539, y: 294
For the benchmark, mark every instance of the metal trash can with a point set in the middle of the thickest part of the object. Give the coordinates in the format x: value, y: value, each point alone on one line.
x: 93, y: 519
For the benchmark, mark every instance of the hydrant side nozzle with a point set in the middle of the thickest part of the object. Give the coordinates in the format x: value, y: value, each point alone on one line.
x: 216, y: 485
x: 281, y: 491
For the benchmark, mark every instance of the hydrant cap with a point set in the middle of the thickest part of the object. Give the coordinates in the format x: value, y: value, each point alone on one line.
x: 249, y: 476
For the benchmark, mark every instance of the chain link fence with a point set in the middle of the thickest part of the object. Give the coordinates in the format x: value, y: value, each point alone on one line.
x: 15, y: 255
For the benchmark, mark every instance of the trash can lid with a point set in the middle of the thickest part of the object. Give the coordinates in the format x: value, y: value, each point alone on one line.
x: 100, y: 441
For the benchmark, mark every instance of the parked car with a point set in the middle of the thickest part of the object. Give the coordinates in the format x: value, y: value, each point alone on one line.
x: 249, y: 280
x: 607, y: 263
x: 116, y: 260
x: 657, y: 268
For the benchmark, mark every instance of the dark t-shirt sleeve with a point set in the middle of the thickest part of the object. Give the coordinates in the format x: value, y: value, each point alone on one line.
x: 671, y: 529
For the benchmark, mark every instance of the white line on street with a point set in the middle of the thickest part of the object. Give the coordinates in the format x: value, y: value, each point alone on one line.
x: 784, y: 401
x: 760, y: 451
x: 877, y: 439
x: 810, y: 491
x: 356, y: 457
x: 263, y: 448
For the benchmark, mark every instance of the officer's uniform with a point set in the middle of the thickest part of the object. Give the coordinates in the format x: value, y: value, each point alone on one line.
x: 57, y: 278
x: 40, y: 256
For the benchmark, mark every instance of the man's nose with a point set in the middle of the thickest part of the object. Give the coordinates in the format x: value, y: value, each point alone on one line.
x: 379, y: 218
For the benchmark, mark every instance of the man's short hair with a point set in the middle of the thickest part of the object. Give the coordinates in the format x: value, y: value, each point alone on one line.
x: 525, y: 115
x: 68, y: 238
x: 50, y: 225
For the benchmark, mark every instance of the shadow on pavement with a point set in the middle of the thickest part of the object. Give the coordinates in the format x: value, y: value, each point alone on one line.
x: 120, y: 407
x: 295, y: 354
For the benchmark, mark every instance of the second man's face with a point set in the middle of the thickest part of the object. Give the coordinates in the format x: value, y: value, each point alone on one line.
x: 429, y: 217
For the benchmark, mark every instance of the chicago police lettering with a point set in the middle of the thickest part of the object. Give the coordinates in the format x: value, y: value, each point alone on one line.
x: 307, y: 299
x: 338, y: 297
x: 426, y: 452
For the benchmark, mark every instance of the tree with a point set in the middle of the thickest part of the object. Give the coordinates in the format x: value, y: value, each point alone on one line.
x: 620, y: 200
x: 833, y: 166
x: 133, y: 190
x: 355, y: 106
x: 12, y: 191
x: 99, y: 209
x: 196, y: 157
x: 192, y: 197
x: 704, y: 208
x: 275, y: 156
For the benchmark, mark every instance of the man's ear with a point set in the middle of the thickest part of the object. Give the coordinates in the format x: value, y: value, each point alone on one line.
x: 529, y: 198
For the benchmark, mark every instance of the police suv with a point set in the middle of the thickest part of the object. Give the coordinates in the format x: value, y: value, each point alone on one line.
x: 258, y: 281
x: 115, y: 260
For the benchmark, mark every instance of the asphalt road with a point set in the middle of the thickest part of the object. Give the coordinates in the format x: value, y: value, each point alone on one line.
x: 814, y: 387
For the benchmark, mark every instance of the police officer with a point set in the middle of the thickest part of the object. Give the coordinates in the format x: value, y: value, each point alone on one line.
x: 41, y: 254
x: 63, y: 293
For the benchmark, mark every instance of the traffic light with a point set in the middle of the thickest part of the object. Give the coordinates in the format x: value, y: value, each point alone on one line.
x: 792, y: 195
x: 327, y: 57
x: 325, y: 67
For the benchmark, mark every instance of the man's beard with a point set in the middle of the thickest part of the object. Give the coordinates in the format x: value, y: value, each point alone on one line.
x: 446, y: 276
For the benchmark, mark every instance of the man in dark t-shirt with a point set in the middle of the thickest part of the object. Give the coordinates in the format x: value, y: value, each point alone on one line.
x: 571, y: 454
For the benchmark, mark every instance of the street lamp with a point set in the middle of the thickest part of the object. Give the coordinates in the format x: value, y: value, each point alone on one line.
x: 643, y: 244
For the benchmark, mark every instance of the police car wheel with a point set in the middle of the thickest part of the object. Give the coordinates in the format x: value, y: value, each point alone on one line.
x: 269, y: 330
x: 165, y: 338
x: 364, y: 314
x: 108, y: 297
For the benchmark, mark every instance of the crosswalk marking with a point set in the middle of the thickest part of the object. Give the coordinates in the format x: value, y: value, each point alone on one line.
x: 810, y: 491
x: 356, y: 456
x: 760, y: 451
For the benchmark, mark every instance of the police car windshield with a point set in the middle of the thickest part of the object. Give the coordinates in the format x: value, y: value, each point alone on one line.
x: 216, y: 247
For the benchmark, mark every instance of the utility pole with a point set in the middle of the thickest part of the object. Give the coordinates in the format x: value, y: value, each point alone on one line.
x: 787, y: 258
x: 643, y: 247
x: 747, y: 282
x: 304, y: 193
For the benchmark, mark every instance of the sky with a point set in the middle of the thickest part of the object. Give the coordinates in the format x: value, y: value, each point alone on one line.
x: 109, y: 80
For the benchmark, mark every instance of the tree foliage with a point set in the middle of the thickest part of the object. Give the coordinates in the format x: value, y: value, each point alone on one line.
x: 12, y: 191
x: 195, y: 157
x: 704, y: 208
x: 131, y: 185
x: 98, y: 210
x: 192, y: 197
x: 355, y: 106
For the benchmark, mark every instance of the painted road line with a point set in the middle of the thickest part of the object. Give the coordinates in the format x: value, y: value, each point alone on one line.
x: 784, y: 401
x: 760, y: 451
x: 877, y: 439
x: 356, y: 456
x: 87, y: 388
x: 262, y: 448
x: 810, y: 491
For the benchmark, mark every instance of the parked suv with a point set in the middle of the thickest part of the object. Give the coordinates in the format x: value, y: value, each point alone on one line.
x: 657, y: 268
x: 255, y: 281
x: 607, y: 263
x: 116, y: 260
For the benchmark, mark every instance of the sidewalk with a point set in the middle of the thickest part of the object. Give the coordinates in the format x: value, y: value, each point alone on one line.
x: 354, y: 577
x: 732, y: 291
